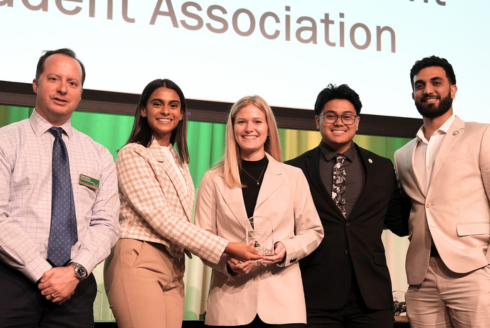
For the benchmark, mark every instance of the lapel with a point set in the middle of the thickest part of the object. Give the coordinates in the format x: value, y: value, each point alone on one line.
x: 273, y: 179
x: 452, y: 135
x: 184, y: 196
x: 234, y: 199
x: 410, y: 163
x: 369, y: 170
x: 313, y: 172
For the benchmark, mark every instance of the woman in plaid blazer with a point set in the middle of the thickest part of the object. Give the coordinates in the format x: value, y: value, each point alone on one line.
x: 144, y: 273
x: 252, y: 181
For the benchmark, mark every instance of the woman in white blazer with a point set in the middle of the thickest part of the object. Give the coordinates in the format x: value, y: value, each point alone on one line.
x: 144, y: 273
x: 251, y: 181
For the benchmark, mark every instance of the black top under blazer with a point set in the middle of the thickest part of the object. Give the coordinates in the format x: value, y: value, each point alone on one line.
x: 353, y: 245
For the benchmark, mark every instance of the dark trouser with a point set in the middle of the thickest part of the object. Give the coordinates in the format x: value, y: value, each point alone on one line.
x: 22, y: 305
x: 258, y: 323
x: 353, y: 314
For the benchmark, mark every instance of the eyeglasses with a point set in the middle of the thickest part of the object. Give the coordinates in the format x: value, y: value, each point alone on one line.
x: 330, y: 118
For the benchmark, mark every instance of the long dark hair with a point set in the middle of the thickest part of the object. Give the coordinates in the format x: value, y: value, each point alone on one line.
x: 142, y: 132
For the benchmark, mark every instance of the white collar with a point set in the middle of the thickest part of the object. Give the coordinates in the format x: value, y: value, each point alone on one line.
x: 442, y: 130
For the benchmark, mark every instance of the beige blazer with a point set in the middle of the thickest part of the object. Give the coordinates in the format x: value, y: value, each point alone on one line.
x: 455, y: 209
x: 156, y: 207
x: 275, y: 292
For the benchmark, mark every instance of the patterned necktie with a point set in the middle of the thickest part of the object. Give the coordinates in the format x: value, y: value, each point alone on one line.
x: 63, y: 231
x: 338, y: 187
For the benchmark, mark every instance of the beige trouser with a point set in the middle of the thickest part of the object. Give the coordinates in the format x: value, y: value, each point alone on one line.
x: 144, y: 285
x: 447, y: 299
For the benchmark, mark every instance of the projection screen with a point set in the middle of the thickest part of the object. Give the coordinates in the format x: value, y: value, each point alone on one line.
x: 285, y: 51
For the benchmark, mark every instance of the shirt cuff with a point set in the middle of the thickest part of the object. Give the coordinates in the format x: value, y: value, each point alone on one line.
x: 85, y: 259
x: 35, y: 269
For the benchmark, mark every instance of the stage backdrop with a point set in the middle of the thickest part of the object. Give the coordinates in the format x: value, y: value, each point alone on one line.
x: 206, y: 143
x: 285, y: 51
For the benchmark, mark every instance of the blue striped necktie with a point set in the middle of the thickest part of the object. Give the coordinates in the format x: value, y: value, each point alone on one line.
x: 63, y: 233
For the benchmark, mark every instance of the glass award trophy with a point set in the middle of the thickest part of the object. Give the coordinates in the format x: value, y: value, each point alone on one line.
x: 260, y: 237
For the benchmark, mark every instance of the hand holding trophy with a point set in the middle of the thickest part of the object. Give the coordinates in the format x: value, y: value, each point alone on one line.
x: 279, y: 254
x: 261, y: 239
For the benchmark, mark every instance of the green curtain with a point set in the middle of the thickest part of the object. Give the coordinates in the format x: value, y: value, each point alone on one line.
x: 206, y: 144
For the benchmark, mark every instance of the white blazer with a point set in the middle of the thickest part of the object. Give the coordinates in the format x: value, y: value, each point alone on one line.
x: 274, y: 292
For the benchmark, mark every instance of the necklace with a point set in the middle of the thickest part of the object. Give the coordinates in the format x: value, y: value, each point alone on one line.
x: 260, y: 176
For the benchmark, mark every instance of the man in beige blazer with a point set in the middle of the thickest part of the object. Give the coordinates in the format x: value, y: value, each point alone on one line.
x: 445, y: 171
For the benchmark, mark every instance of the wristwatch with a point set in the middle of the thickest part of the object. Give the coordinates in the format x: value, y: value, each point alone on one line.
x: 80, y: 271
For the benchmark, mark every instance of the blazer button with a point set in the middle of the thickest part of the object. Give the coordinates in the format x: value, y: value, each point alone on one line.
x: 346, y: 251
x: 347, y: 224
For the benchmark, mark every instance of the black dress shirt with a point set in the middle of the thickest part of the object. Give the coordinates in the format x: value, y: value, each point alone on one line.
x: 354, y: 173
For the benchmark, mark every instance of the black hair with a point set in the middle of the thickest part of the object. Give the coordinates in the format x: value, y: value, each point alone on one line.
x: 332, y: 92
x: 142, y: 133
x: 63, y: 51
x: 431, y: 62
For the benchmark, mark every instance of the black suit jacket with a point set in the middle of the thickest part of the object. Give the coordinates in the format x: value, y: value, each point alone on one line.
x: 353, y: 245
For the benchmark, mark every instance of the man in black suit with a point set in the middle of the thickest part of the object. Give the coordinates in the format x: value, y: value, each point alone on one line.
x: 346, y: 280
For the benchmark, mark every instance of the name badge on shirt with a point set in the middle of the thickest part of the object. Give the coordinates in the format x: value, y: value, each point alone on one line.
x: 89, y: 182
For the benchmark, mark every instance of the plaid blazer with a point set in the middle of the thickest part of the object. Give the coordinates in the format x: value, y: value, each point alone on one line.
x: 156, y: 207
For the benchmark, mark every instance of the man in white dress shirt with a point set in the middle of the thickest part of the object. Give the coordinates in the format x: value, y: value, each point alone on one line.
x: 58, y: 206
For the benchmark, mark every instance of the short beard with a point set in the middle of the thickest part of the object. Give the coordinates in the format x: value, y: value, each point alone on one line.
x: 430, y: 111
